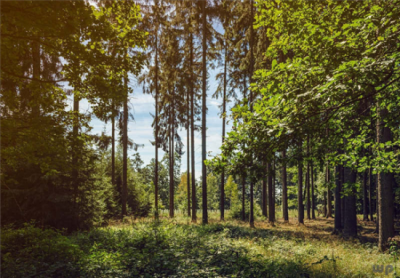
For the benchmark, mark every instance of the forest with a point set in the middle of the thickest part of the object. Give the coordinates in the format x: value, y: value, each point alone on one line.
x: 306, y: 182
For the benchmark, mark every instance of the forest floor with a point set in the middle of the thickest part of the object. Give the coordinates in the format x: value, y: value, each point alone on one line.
x: 311, y: 249
x: 178, y: 248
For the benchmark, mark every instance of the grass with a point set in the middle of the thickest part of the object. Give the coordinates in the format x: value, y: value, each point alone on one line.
x: 178, y: 248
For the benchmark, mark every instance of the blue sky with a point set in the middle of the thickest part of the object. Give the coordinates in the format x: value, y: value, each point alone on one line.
x: 141, y: 132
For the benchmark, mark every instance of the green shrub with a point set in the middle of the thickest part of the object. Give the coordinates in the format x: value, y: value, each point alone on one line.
x: 31, y: 251
x: 236, y: 211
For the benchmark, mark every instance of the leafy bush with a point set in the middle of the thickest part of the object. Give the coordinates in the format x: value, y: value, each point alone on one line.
x: 31, y: 251
x: 236, y: 211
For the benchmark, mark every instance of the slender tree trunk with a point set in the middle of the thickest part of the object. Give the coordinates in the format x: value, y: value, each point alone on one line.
x: 338, y: 209
x: 194, y: 203
x: 285, y: 211
x: 75, y: 157
x: 271, y: 216
x: 273, y: 190
x: 342, y: 203
x: 222, y: 201
x: 188, y: 152
x: 385, y: 186
x: 325, y: 204
x: 173, y: 159
x: 365, y: 196
x: 264, y: 193
x: 125, y: 150
x: 312, y: 192
x: 371, y: 211
x: 251, y: 216
x: 156, y: 137
x: 203, y: 120
x: 113, y: 146
x: 308, y: 180
x: 171, y: 167
x: 243, y: 197
x: 300, y: 217
x: 350, y: 217
x: 328, y: 180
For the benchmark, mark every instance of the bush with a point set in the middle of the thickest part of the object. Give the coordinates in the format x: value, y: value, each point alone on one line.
x: 236, y: 211
x: 31, y: 251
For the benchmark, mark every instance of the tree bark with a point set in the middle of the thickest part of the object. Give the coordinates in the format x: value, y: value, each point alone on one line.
x: 156, y: 136
x: 285, y: 212
x: 273, y: 190
x: 371, y: 211
x: 194, y: 203
x: 222, y: 201
x: 338, y: 209
x: 342, y: 204
x: 312, y: 193
x: 328, y: 180
x: 113, y: 146
x: 75, y: 157
x: 251, y: 216
x: 365, y: 196
x: 308, y: 180
x: 350, y: 216
x: 385, y: 186
x: 125, y: 150
x: 203, y: 120
x: 300, y: 217
x: 172, y: 197
x: 271, y: 216
x: 243, y: 197
x: 264, y: 193
x: 188, y: 153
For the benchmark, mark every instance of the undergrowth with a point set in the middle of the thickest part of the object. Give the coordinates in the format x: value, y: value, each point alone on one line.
x: 177, y: 249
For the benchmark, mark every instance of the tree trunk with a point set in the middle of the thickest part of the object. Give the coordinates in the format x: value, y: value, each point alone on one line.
x: 194, y: 203
x: 371, y: 211
x: 385, y: 186
x: 251, y: 216
x: 125, y: 150
x: 271, y: 216
x: 113, y: 146
x: 273, y: 191
x: 222, y: 201
x: 328, y: 180
x: 300, y: 217
x: 350, y: 216
x: 188, y: 153
x: 285, y: 212
x: 312, y: 193
x: 365, y: 196
x: 338, y: 209
x: 173, y: 160
x: 243, y: 197
x: 203, y: 120
x: 264, y: 193
x: 156, y: 137
x: 75, y: 157
x: 308, y: 180
x: 342, y: 204
x: 325, y: 204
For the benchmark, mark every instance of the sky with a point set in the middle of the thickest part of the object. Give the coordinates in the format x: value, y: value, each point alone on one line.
x: 141, y: 132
